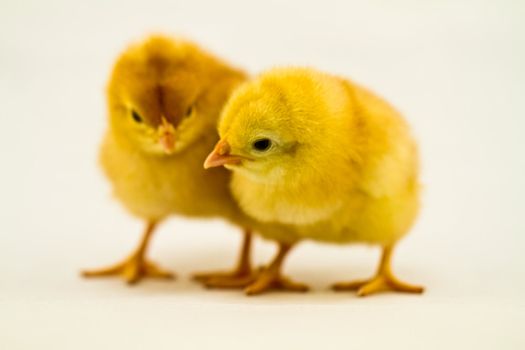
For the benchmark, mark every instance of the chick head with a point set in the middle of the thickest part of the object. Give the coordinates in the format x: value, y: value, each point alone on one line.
x: 280, y: 122
x: 163, y: 94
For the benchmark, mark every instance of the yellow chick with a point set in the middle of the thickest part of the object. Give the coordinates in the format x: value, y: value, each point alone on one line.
x: 164, y: 97
x: 315, y: 156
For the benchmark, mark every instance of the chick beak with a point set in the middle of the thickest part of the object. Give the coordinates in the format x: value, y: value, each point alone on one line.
x: 166, y: 133
x: 221, y: 156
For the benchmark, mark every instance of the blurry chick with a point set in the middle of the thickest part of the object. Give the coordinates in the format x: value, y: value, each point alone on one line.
x: 164, y: 98
x: 320, y: 158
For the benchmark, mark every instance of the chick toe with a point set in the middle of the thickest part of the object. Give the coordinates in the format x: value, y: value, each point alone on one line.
x: 270, y: 279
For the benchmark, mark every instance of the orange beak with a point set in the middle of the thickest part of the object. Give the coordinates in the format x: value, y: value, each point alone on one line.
x: 166, y: 133
x: 221, y: 156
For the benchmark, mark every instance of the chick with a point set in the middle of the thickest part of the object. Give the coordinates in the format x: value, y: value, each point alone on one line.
x: 164, y: 97
x: 315, y: 156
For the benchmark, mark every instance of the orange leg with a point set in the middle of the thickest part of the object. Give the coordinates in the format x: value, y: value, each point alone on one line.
x: 384, y: 280
x: 270, y: 277
x: 241, y: 275
x: 136, y: 266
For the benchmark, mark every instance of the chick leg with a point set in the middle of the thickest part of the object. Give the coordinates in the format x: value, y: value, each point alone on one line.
x: 136, y: 266
x: 384, y: 280
x: 241, y: 275
x: 270, y: 277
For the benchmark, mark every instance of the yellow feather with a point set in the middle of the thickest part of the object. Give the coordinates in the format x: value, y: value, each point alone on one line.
x: 342, y: 168
x: 151, y: 184
x: 164, y: 99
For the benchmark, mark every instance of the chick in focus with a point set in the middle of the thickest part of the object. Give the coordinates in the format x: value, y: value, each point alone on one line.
x: 164, y: 97
x: 315, y: 156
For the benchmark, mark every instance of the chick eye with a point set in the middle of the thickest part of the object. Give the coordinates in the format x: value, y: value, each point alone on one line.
x: 262, y: 144
x: 189, y: 111
x: 136, y: 117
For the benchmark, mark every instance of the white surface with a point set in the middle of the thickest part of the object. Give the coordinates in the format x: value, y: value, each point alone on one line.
x: 454, y: 68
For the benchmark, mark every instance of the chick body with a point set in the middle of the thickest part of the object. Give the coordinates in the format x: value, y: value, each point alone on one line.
x: 342, y: 166
x: 164, y: 99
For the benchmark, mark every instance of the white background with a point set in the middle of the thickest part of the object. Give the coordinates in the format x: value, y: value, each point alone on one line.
x: 456, y: 70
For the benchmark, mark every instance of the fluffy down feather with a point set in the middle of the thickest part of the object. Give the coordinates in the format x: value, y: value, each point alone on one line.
x: 164, y: 98
x: 319, y: 157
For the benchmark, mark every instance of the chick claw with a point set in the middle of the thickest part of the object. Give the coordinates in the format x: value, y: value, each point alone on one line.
x: 132, y: 270
x: 269, y: 279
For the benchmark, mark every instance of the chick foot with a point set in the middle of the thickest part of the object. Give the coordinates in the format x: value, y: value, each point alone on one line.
x: 377, y: 284
x: 240, y: 277
x: 136, y: 266
x: 270, y: 278
x: 132, y: 270
x: 384, y: 280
